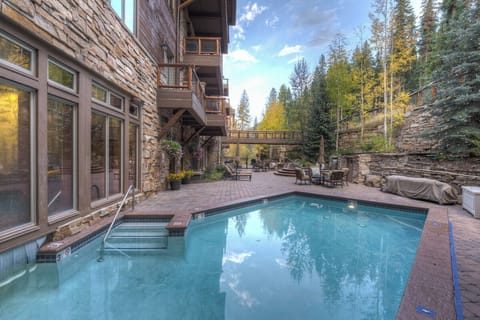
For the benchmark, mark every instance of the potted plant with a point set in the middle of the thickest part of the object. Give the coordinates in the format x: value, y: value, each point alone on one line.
x: 175, y: 180
x: 187, y: 176
x: 172, y: 148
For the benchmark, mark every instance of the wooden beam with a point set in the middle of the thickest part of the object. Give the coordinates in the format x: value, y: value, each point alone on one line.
x: 173, y: 120
x: 196, y: 133
x: 186, y: 4
x: 210, y: 138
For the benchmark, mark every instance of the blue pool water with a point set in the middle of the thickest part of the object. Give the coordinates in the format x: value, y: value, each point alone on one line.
x: 291, y: 258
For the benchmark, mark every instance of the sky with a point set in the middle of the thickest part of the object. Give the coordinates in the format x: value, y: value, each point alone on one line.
x: 270, y: 36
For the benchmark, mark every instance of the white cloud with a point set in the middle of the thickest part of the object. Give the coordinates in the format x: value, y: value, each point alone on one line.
x: 295, y: 60
x: 238, y: 258
x: 239, y: 32
x: 290, y: 50
x: 257, y: 48
x: 241, y: 55
x: 272, y: 22
x: 251, y: 12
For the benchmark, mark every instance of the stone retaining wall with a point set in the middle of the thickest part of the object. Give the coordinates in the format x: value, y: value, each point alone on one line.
x: 457, y: 173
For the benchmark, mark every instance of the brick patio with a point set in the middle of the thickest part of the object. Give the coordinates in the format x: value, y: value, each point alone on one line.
x: 197, y: 197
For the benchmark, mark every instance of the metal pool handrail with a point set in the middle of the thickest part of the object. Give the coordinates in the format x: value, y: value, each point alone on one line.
x: 130, y: 189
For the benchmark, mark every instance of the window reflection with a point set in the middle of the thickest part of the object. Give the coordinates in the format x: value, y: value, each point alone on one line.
x: 106, y: 156
x: 15, y: 157
x: 132, y: 154
x: 14, y: 53
x: 115, y: 154
x: 98, y: 134
x: 60, y: 146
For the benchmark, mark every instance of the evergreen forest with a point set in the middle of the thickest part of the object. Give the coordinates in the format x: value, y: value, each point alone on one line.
x: 373, y: 84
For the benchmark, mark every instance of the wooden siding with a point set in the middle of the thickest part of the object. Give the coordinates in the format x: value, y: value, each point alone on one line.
x: 155, y: 25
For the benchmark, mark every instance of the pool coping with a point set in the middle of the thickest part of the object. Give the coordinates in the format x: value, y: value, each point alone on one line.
x: 430, y: 287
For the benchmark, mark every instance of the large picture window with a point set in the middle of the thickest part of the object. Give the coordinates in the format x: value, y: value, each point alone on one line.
x: 16, y: 149
x: 61, y: 145
x: 106, y: 156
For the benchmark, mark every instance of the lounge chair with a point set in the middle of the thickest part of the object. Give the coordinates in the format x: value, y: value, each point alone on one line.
x: 302, y: 177
x: 335, y: 179
x: 237, y: 174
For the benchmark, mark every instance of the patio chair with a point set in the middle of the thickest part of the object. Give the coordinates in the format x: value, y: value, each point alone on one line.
x: 302, y: 177
x: 335, y: 179
x: 236, y: 174
x: 345, y: 175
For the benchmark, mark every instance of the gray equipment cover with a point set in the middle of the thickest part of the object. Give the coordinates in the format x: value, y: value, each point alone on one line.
x: 421, y: 188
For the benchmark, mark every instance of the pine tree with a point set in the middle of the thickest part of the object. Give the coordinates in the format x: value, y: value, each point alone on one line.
x: 299, y: 109
x: 428, y: 29
x: 243, y: 113
x: 403, y: 52
x: 458, y: 84
x: 320, y: 122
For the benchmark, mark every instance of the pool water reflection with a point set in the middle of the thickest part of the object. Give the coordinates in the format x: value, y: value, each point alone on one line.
x: 291, y: 258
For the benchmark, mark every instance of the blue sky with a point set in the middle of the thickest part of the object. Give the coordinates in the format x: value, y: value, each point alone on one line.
x: 271, y: 36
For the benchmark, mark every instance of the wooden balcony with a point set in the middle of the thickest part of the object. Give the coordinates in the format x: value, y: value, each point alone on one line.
x: 180, y: 88
x: 215, y: 108
x: 205, y: 53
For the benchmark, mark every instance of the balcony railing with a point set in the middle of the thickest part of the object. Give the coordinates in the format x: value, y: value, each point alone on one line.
x: 215, y: 105
x: 203, y: 45
x: 184, y: 77
x: 180, y: 76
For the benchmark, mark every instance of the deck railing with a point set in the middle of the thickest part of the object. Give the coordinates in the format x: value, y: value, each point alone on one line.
x: 180, y: 76
x: 265, y: 135
x: 202, y: 45
x: 184, y: 77
x: 215, y: 105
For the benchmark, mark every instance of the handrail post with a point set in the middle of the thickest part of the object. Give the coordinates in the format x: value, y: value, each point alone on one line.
x: 102, y: 246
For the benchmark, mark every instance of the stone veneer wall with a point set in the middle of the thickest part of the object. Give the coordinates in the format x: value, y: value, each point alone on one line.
x: 457, y: 173
x: 90, y: 33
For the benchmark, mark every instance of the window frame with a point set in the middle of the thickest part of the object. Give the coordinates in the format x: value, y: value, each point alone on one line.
x: 53, y: 83
x: 107, y: 197
x: 31, y: 225
x: 60, y: 215
x: 107, y: 103
x: 121, y: 15
x: 33, y: 52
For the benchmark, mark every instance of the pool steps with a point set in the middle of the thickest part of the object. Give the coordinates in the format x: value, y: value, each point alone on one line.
x: 138, y: 236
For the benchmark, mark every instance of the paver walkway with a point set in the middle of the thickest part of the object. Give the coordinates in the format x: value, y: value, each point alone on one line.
x: 201, y: 196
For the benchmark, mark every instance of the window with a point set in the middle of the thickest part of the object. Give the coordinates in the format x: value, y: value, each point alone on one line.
x: 14, y: 53
x: 61, y: 146
x: 106, y: 156
x: 62, y: 75
x: 125, y: 9
x: 100, y: 94
x: 16, y: 155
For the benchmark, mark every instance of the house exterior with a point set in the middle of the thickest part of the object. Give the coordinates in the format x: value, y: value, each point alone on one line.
x: 89, y: 88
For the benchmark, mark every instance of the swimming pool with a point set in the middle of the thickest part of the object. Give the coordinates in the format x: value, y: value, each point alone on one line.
x: 291, y: 258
